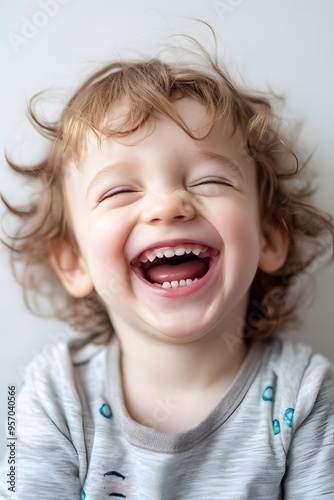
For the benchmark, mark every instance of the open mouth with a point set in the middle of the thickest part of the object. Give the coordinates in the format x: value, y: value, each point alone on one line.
x: 173, y: 267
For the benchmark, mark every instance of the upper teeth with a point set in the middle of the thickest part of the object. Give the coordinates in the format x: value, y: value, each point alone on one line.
x: 168, y: 253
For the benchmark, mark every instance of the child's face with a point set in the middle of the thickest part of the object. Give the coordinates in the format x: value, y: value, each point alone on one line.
x: 149, y: 194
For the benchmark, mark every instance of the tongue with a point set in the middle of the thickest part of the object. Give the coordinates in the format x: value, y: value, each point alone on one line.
x: 176, y: 272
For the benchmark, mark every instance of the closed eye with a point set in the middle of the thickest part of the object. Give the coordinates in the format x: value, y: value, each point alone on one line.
x: 118, y: 190
x: 120, y: 196
x: 211, y: 186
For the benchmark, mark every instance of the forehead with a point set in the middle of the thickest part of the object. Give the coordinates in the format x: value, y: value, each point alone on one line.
x: 221, y: 137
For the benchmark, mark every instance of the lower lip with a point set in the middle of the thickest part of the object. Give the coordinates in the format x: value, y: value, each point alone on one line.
x: 180, y: 291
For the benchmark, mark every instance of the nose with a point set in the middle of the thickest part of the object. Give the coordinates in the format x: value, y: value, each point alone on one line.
x: 168, y: 208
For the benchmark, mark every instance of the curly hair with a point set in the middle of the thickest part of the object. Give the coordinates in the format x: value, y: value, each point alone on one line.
x: 143, y: 88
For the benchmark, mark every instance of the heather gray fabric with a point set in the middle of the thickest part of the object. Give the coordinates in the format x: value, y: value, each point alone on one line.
x: 271, y: 436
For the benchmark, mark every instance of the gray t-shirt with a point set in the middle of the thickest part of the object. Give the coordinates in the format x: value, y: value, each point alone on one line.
x: 270, y: 437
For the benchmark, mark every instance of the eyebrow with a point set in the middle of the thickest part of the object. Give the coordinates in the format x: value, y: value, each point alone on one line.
x: 227, y: 162
x: 113, y: 167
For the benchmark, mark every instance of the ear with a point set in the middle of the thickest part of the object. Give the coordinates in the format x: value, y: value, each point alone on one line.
x: 275, y: 247
x: 71, y: 269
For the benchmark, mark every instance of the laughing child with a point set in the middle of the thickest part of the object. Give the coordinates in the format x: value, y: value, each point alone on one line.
x: 174, y: 216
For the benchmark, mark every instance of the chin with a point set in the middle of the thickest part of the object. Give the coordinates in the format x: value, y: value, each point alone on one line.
x: 181, y: 331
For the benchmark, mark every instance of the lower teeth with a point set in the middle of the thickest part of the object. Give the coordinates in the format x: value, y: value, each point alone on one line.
x: 176, y: 284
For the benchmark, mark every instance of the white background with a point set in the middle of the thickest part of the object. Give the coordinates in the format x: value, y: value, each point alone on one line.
x: 287, y: 45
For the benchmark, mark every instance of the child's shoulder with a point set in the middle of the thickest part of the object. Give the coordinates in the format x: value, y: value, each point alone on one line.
x: 295, y: 366
x: 296, y: 359
x: 297, y: 381
x: 74, y: 351
x: 66, y: 364
x: 63, y: 381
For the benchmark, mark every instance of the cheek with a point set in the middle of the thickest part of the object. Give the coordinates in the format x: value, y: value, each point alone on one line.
x: 106, y: 238
x: 238, y: 223
x: 241, y: 238
x: 242, y: 230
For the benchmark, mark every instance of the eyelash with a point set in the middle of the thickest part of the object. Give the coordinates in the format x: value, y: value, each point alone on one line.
x: 221, y: 182
x: 214, y: 181
x: 118, y: 190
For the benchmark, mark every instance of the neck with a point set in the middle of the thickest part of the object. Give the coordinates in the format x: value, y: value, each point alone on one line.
x: 156, y: 370
x: 181, y: 366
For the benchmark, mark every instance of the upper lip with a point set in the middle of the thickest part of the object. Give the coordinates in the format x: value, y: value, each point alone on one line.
x: 172, y: 244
